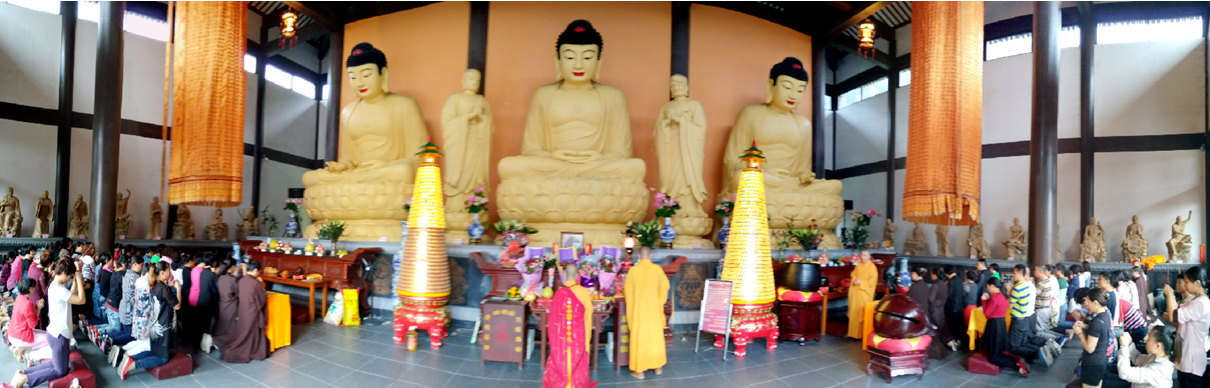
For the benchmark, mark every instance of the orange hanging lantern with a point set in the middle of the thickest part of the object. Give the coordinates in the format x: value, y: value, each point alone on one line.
x: 289, y: 28
x: 865, y: 43
x: 206, y: 56
x: 946, y: 115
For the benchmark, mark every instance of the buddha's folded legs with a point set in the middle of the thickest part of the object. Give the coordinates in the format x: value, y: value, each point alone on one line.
x: 537, y: 167
x: 397, y: 171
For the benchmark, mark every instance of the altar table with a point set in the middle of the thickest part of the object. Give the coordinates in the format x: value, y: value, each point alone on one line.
x: 310, y: 286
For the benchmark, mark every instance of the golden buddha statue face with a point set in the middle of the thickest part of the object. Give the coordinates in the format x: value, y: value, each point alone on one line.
x: 470, y: 81
x: 679, y: 86
x: 785, y: 93
x: 368, y: 80
x: 578, y: 63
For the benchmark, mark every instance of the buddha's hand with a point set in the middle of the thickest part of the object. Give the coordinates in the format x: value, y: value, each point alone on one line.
x: 338, y: 166
x: 807, y: 179
x: 576, y: 156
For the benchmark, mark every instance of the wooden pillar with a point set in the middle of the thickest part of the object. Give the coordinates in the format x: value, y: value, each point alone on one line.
x: 892, y: 85
x: 1044, y: 135
x: 258, y: 139
x: 680, y: 38
x: 67, y: 84
x: 336, y: 60
x: 1088, y: 41
x: 818, y: 70
x: 107, y: 124
x: 476, y: 49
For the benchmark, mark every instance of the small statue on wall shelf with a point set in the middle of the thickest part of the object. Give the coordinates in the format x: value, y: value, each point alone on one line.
x: 157, y: 220
x: 249, y: 225
x: 121, y: 225
x: 888, y: 232
x: 1093, y: 246
x: 44, y: 213
x: 916, y: 245
x: 1016, y: 244
x: 943, y: 240
x: 77, y: 227
x: 1135, y: 245
x: 978, y: 244
x: 1180, y: 245
x: 10, y: 215
x: 183, y: 228
x: 217, y: 230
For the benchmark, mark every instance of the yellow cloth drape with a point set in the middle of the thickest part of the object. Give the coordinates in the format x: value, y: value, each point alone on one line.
x: 946, y: 114
x: 978, y: 323
x: 867, y: 323
x: 277, y: 308
x: 207, y: 59
x: 646, y: 291
x: 860, y: 295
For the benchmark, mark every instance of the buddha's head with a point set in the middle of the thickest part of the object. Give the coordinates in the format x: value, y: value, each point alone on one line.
x: 79, y: 197
x: 679, y: 86
x: 368, y: 71
x: 470, y: 81
x: 45, y: 194
x: 787, y: 85
x: 578, y: 54
x: 1134, y: 219
x: 155, y: 199
x: 10, y: 192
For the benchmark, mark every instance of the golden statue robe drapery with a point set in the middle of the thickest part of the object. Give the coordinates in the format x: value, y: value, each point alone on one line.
x: 860, y: 295
x: 784, y: 163
x: 683, y: 178
x: 646, y: 291
x: 611, y: 139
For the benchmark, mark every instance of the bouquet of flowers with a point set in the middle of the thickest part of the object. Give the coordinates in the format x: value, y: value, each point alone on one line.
x: 645, y: 233
x: 331, y: 229
x: 1151, y: 261
x: 588, y: 272
x: 407, y: 205
x: 855, y: 237
x: 292, y: 206
x: 510, y: 254
x: 665, y: 205
x: 512, y: 225
x: 809, y: 237
x: 725, y: 208
x: 477, y: 201
x: 531, y: 275
x: 269, y: 220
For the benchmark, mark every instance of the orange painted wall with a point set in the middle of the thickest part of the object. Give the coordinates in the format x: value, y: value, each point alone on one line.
x: 730, y: 54
x: 521, y: 57
x: 426, y: 54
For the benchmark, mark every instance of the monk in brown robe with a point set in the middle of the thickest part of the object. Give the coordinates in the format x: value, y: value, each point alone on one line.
x: 228, y: 304
x: 247, y: 340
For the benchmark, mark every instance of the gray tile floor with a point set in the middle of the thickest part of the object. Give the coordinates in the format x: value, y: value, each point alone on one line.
x: 366, y: 357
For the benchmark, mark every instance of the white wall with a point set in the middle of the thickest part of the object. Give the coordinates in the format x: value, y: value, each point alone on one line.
x: 29, y: 52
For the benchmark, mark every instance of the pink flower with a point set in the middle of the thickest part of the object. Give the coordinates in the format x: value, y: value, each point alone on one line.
x: 871, y: 212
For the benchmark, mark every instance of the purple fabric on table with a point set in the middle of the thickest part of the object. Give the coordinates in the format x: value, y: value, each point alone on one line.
x: 567, y: 255
x: 615, y: 253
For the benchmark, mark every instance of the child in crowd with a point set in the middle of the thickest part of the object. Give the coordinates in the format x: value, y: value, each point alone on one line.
x: 1192, y: 320
x: 58, y: 333
x: 248, y: 341
x: 1094, y: 336
x: 228, y: 303
x: 164, y: 303
x: 22, y: 335
x: 995, y: 334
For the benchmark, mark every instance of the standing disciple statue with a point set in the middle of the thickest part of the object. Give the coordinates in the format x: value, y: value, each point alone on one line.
x: 1180, y: 245
x: 680, y: 144
x: 249, y: 225
x: 1135, y: 245
x: 380, y: 133
x: 77, y: 227
x: 10, y: 215
x: 121, y: 224
x: 576, y: 170
x: 888, y: 232
x: 466, y: 130
x: 916, y: 245
x: 943, y: 240
x: 1093, y: 246
x: 44, y: 213
x: 183, y: 228
x: 217, y: 230
x: 1016, y: 243
x: 978, y: 244
x: 157, y: 220
x: 792, y: 191
x: 646, y: 291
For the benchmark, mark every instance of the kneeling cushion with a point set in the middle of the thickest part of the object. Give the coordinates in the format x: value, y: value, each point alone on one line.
x: 978, y: 363
x: 786, y: 294
x: 179, y: 364
x: 79, y: 370
x: 898, y: 345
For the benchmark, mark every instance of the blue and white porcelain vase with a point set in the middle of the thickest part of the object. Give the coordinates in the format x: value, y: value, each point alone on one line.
x: 292, y: 227
x: 725, y: 232
x: 475, y: 230
x: 667, y: 234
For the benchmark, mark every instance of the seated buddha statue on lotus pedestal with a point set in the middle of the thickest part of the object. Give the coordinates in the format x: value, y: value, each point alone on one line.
x: 575, y: 172
x: 792, y: 193
x: 380, y: 132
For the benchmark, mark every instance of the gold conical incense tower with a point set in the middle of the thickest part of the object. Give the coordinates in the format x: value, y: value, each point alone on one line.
x: 748, y: 262
x: 424, y: 276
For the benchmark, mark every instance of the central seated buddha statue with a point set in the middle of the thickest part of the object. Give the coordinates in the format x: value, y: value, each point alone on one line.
x: 575, y: 172
x: 792, y: 193
x: 380, y: 133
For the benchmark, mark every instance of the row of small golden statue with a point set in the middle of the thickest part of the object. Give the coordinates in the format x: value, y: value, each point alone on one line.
x: 1092, y: 248
x: 575, y: 170
x: 311, y: 249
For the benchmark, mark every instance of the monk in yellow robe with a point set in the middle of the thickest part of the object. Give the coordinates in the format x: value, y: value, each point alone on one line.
x: 861, y: 291
x: 646, y: 291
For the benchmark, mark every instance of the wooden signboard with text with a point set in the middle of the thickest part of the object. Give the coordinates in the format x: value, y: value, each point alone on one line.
x: 715, y: 316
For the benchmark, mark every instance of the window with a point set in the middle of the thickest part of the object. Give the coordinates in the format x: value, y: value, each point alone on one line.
x: 1149, y: 30
x: 905, y: 77
x: 875, y: 88
x: 51, y: 7
x: 133, y: 23
x: 249, y: 63
x: 277, y: 76
x: 326, y: 90
x: 303, y: 87
x: 1069, y: 37
x: 849, y: 98
x: 1009, y: 46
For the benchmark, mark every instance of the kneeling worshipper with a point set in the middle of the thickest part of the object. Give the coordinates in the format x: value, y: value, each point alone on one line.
x: 142, y: 318
x: 228, y: 303
x: 861, y: 291
x: 59, y: 300
x: 995, y: 335
x: 247, y: 340
x: 165, y: 301
x: 21, y: 332
x: 569, y: 322
x: 646, y: 291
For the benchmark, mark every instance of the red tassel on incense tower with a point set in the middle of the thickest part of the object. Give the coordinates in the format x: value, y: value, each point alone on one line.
x: 424, y: 276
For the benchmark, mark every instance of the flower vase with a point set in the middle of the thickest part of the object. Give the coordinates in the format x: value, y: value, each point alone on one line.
x: 334, y: 248
x: 475, y: 230
x: 667, y: 234
x: 292, y: 225
x: 725, y: 232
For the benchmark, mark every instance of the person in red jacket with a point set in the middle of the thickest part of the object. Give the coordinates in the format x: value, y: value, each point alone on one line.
x: 21, y: 332
x: 995, y: 335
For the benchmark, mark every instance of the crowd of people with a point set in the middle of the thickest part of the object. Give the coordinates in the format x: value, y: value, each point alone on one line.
x: 138, y: 305
x: 1030, y: 313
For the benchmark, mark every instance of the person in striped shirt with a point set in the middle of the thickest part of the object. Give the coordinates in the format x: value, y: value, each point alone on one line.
x: 1021, y: 304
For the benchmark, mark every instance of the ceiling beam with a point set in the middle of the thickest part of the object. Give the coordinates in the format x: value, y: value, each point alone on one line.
x: 308, y: 32
x: 848, y: 44
x: 317, y: 11
x: 369, y: 9
x: 855, y: 17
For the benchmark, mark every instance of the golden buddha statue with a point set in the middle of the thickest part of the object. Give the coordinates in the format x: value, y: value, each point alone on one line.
x: 575, y: 172
x: 680, y: 143
x: 792, y: 191
x: 379, y: 133
x: 466, y: 131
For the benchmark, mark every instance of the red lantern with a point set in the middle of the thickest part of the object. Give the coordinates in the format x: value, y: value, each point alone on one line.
x: 289, y: 27
x: 865, y: 45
